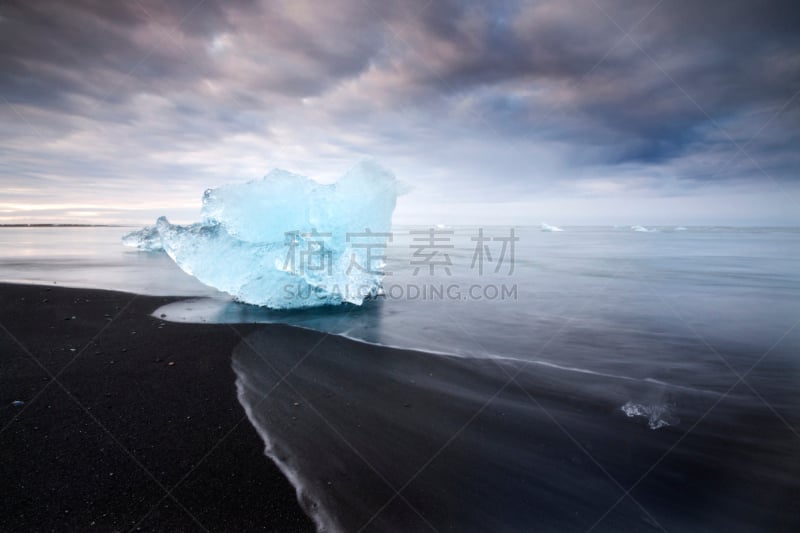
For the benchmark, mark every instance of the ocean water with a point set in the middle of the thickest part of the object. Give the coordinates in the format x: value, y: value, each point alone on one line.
x: 601, y: 379
x: 90, y: 257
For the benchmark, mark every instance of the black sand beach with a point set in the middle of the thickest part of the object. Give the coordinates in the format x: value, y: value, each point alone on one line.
x: 128, y: 422
x: 139, y: 427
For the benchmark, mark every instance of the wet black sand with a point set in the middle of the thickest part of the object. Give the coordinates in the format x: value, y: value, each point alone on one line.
x: 384, y: 439
x: 379, y: 439
x: 122, y: 439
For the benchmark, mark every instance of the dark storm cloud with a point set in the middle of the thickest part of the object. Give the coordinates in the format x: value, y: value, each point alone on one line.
x: 112, y: 50
x: 723, y: 54
x: 94, y: 82
x: 51, y: 50
x: 685, y: 67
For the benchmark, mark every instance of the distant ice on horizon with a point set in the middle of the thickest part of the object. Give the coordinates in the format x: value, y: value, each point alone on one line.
x: 547, y: 227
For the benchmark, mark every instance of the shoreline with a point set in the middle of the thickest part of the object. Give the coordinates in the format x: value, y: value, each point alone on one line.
x: 141, y: 427
x: 348, y: 427
x: 358, y: 424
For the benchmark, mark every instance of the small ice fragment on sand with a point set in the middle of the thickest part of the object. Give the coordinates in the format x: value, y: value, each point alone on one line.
x: 658, y: 415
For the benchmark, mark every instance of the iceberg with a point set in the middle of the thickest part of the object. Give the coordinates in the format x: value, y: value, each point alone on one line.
x: 548, y: 227
x: 286, y: 241
x: 642, y: 229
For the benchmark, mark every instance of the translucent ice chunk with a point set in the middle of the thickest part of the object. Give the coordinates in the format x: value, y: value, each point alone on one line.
x: 146, y: 238
x: 287, y: 241
x: 658, y: 415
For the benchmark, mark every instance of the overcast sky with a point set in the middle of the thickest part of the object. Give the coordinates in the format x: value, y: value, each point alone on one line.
x: 571, y: 112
